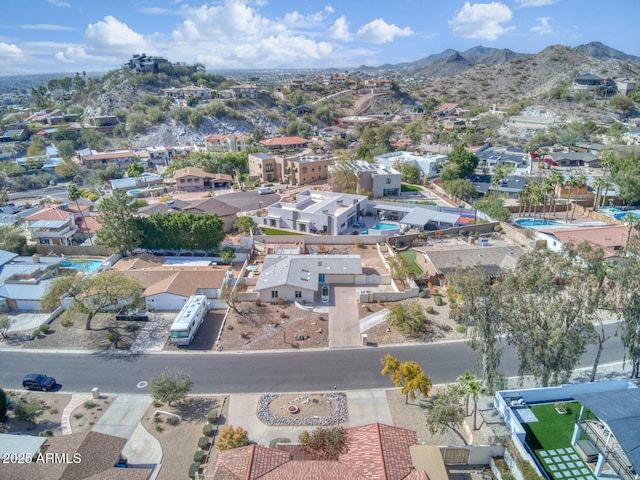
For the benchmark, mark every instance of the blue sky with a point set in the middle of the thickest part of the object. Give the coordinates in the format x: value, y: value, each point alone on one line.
x: 42, y: 36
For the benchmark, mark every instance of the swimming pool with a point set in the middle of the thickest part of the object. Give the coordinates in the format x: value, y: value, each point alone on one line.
x: 620, y: 216
x: 82, y: 265
x: 527, y: 222
x: 133, y: 192
x: 382, y: 229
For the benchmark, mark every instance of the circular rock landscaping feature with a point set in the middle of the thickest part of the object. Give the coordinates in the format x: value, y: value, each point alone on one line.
x: 310, y: 410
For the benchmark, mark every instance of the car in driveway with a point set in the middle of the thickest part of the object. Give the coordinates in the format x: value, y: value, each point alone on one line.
x: 38, y: 381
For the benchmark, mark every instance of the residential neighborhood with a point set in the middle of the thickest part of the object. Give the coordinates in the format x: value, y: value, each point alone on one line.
x: 311, y: 274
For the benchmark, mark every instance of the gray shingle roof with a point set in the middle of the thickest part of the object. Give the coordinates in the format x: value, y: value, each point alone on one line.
x: 302, y: 271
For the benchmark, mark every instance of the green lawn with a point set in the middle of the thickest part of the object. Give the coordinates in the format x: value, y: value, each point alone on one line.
x: 407, y: 187
x: 276, y: 231
x: 410, y: 257
x: 552, y: 430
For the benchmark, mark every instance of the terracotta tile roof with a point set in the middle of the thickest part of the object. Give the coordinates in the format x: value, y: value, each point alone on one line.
x: 187, y: 282
x: 139, y: 261
x: 284, y: 141
x: 88, y: 224
x: 376, y: 452
x: 248, y: 463
x: 108, y: 155
x: 611, y: 238
x: 51, y: 213
x: 218, y: 137
x: 192, y: 172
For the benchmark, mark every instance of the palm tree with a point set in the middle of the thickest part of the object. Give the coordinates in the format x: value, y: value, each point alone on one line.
x: 537, y: 198
x: 580, y: 183
x: 570, y: 183
x: 598, y: 183
x: 464, y: 380
x: 74, y: 194
x: 546, y: 188
x: 605, y: 189
x: 631, y: 221
x: 557, y: 179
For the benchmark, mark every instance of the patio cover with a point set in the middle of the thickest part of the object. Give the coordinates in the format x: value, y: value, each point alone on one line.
x: 620, y: 410
x: 429, y: 459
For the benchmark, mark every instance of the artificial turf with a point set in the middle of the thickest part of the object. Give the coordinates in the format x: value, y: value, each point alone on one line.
x: 552, y: 430
x: 410, y: 257
x: 275, y: 231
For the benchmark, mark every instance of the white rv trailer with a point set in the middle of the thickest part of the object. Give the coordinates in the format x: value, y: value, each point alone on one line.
x: 189, y: 319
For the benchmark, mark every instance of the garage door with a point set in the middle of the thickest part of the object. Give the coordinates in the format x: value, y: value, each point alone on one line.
x: 166, y: 302
x: 28, y: 305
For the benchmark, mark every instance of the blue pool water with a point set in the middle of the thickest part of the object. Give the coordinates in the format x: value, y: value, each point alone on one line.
x: 86, y: 266
x: 620, y: 216
x: 526, y: 222
x: 384, y: 226
x: 133, y: 192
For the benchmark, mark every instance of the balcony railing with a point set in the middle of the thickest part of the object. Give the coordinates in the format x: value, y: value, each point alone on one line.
x: 608, y: 447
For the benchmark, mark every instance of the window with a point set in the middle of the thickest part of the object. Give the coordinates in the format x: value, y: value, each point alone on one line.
x: 388, y: 181
x: 298, y: 294
x: 274, y: 294
x: 303, y: 227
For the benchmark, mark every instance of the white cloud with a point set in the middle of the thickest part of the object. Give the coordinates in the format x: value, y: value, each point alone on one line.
x: 379, y: 31
x: 340, y: 30
x: 481, y: 20
x: 534, y: 3
x: 544, y: 28
x: 9, y: 51
x: 114, y: 36
x: 59, y: 3
x: 46, y: 26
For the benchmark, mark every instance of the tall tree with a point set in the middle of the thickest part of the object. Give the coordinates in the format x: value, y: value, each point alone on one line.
x: 74, y: 194
x: 446, y: 412
x: 483, y: 306
x: 325, y: 443
x: 170, y: 386
x: 465, y: 160
x: 408, y: 376
x: 549, y: 326
x: 91, y: 294
x: 12, y: 239
x: 116, y: 215
x: 408, y: 317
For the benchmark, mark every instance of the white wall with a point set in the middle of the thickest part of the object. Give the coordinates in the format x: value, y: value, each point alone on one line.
x: 165, y: 302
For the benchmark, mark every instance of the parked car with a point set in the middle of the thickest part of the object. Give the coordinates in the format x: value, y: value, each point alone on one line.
x: 38, y: 381
x: 265, y: 190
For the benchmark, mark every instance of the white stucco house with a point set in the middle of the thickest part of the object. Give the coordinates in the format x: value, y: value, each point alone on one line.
x: 306, y: 278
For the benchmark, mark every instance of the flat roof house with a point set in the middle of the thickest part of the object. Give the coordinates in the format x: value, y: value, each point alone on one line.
x: 428, y: 164
x: 316, y: 211
x: 379, y: 180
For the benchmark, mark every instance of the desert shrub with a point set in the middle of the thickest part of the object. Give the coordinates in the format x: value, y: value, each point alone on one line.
x: 89, y: 405
x: 46, y: 433
x: 36, y: 333
x: 281, y: 301
x: 282, y: 314
x: 276, y: 441
x: 429, y: 309
x: 438, y: 300
x: 27, y: 411
x: 112, y: 337
x: 461, y: 328
x: 207, y: 430
x: 422, y: 294
x: 132, y: 327
x: 44, y: 328
x: 212, y: 416
x: 198, y: 457
x: 232, y: 438
x: 258, y: 303
x: 497, y: 228
x: 53, y: 411
x: 66, y: 322
x: 193, y: 470
x: 203, y: 442
x: 173, y: 421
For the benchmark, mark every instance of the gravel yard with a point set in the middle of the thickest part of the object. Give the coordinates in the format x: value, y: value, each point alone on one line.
x: 49, y: 417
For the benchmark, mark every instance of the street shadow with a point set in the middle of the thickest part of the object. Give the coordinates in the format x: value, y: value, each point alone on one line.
x: 194, y: 409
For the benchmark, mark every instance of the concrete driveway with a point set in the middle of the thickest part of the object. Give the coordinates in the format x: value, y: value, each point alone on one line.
x: 26, y: 322
x: 344, y: 319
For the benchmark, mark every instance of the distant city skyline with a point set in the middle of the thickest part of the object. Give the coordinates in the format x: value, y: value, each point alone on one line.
x: 49, y: 36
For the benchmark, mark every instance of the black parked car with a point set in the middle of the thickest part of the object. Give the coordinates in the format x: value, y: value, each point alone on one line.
x: 38, y: 381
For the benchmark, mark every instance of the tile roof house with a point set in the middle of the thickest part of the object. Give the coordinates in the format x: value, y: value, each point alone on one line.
x: 376, y: 452
x: 218, y: 142
x: 54, y: 225
x: 611, y: 238
x: 284, y: 143
x: 97, y: 455
x: 190, y: 179
x: 212, y: 206
x: 168, y: 286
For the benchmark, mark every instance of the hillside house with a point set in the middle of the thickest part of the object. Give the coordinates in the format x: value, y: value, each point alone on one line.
x: 379, y: 180
x: 192, y: 179
x: 219, y: 142
x: 142, y: 63
x: 285, y: 143
x: 244, y: 90
x: 120, y: 157
x: 55, y: 225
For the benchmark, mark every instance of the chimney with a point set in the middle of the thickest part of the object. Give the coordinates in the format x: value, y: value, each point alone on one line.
x: 36, y: 258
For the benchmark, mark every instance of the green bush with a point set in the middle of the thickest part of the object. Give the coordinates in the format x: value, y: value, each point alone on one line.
x: 89, y: 405
x: 212, y: 416
x: 207, y: 430
x: 461, y: 328
x: 46, y: 433
x: 44, y: 328
x: 438, y: 300
x: 194, y: 468
x: 429, y: 309
x: 198, y: 457
x: 3, y: 406
x: 66, y: 322
x: 27, y: 411
x: 497, y: 228
x: 203, y: 442
x: 36, y: 333
x: 422, y: 294
x: 112, y: 337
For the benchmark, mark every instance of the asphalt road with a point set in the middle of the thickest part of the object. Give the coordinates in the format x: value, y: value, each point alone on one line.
x: 298, y: 370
